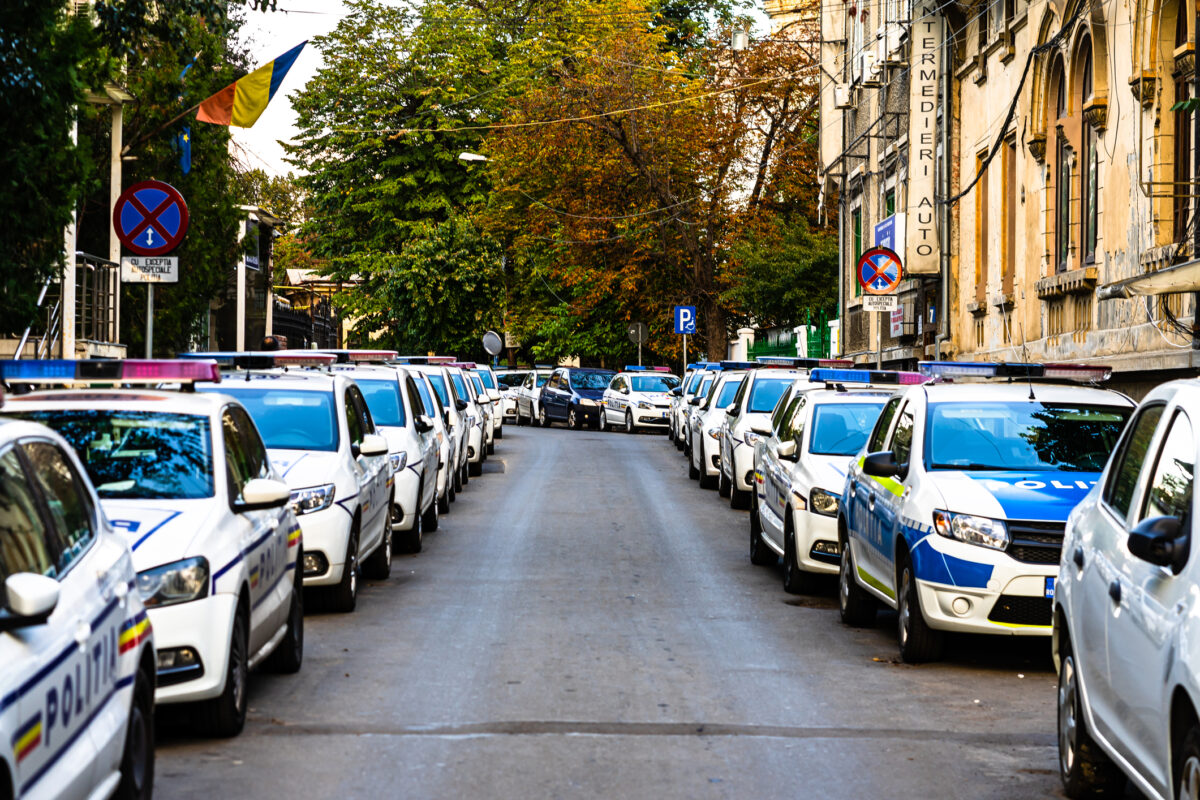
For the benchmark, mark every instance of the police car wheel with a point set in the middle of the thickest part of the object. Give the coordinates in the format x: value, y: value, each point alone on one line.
x: 411, y: 541
x: 542, y: 422
x: 499, y: 435
x: 603, y: 423
x: 344, y: 596
x: 1085, y: 769
x: 455, y: 484
x: 795, y: 580
x: 629, y: 422
x: 491, y: 448
x: 137, y: 762
x: 693, y: 473
x: 918, y: 641
x: 466, y: 473
x: 429, y: 520
x: 724, y: 485
x: 289, y: 655
x: 738, y: 498
x: 1187, y: 778
x: 378, y: 565
x: 443, y: 502
x: 857, y: 608
x: 760, y: 554
x: 225, y: 716
x: 475, y: 468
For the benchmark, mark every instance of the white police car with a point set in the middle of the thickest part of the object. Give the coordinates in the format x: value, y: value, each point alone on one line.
x: 76, y: 647
x: 697, y: 387
x: 704, y: 457
x: 186, y: 478
x: 508, y: 381
x: 322, y: 442
x: 954, y: 512
x: 489, y: 407
x: 752, y: 406
x: 527, y: 397
x: 819, y: 425
x: 478, y: 424
x: 492, y: 388
x: 432, y: 408
x: 399, y: 415
x: 638, y: 396
x: 456, y: 417
x: 1127, y: 612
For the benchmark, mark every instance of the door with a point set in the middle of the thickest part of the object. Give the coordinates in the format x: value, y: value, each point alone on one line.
x: 375, y: 474
x: 863, y: 491
x: 49, y: 527
x: 1150, y: 607
x: 1099, y: 542
x: 552, y: 401
x: 427, y: 441
x: 884, y: 498
x: 777, y: 471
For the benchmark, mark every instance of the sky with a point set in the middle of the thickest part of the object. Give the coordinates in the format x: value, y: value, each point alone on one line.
x: 270, y: 34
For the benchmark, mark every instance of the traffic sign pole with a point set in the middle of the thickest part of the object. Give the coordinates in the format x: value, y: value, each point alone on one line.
x: 150, y: 218
x: 684, y: 370
x: 149, y: 320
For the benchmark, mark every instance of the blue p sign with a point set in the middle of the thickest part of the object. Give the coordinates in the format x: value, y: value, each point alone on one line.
x: 685, y: 319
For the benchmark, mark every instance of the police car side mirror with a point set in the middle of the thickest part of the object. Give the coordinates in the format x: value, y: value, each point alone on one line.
x: 624, y: 391
x: 695, y: 401
x: 787, y: 450
x: 372, y: 445
x: 29, y: 600
x: 423, y: 424
x: 761, y: 431
x: 882, y: 465
x: 676, y: 392
x: 261, y: 493
x: 461, y: 405
x: 733, y: 410
x: 1164, y: 541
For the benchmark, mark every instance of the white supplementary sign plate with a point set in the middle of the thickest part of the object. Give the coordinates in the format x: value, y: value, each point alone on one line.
x: 880, y: 302
x: 149, y: 269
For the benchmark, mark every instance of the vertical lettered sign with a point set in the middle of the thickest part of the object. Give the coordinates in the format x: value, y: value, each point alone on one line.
x: 921, y: 240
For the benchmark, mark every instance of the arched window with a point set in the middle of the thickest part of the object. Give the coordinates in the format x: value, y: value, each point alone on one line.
x: 1064, y: 156
x: 1088, y: 173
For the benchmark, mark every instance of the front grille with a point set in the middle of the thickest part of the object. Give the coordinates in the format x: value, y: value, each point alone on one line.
x: 1019, y: 610
x: 1036, y: 542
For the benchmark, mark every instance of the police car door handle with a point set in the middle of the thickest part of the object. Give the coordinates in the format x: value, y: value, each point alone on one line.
x: 853, y: 489
x: 871, y: 501
x: 1114, y: 591
x: 1077, y: 557
x: 83, y: 632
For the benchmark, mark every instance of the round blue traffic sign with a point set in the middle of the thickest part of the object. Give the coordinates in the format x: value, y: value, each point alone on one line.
x: 150, y: 218
x: 879, y: 271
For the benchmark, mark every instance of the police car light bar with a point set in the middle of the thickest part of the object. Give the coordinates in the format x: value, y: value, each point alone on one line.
x: 360, y: 356
x: 109, y: 371
x: 948, y: 370
x: 419, y: 360
x: 863, y: 376
x: 270, y: 359
x: 634, y: 368
x: 463, y: 364
x: 739, y: 365
x: 797, y: 362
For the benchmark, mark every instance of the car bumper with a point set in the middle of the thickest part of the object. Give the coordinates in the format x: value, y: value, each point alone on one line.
x: 587, y: 414
x: 657, y: 417
x: 475, y: 445
x: 743, y: 466
x: 204, y: 626
x: 327, y: 533
x: 405, y: 499
x: 816, y: 536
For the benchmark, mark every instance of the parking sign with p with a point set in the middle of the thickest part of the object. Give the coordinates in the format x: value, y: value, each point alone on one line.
x: 685, y: 319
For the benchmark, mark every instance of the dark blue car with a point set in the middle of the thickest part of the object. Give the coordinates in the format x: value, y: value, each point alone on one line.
x: 572, y: 395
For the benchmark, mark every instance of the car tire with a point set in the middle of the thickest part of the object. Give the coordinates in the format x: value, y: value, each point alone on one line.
x: 289, y: 655
x: 724, y: 485
x: 918, y: 641
x: 429, y: 520
x: 760, y: 554
x: 856, y: 607
x: 693, y: 473
x: 628, y: 421
x: 466, y: 473
x: 572, y: 419
x: 411, y: 540
x: 137, y: 760
x: 1187, y: 774
x: 443, y: 502
x: 1085, y: 769
x: 738, y: 498
x: 499, y: 435
x: 543, y: 422
x: 670, y: 433
x: 795, y: 580
x: 455, y: 483
x: 490, y: 450
x: 343, y: 597
x: 225, y: 716
x: 603, y: 421
x: 474, y: 468
x: 378, y: 565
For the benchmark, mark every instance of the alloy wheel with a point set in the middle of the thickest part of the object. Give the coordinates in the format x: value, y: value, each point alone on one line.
x: 1068, y: 730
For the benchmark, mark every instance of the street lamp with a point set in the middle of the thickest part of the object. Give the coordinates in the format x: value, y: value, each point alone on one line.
x: 472, y: 157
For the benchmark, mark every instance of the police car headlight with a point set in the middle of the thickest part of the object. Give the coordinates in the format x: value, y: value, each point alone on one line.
x: 312, y: 498
x: 751, y: 438
x: 583, y: 401
x: 822, y: 502
x: 398, y: 460
x: 714, y: 433
x: 177, y: 582
x: 968, y: 528
x: 644, y: 405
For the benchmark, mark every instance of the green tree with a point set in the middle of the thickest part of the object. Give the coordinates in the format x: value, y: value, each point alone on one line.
x: 782, y: 273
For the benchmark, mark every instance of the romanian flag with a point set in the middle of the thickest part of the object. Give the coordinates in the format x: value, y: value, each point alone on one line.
x: 133, y: 632
x: 294, y: 536
x: 28, y: 737
x: 242, y: 102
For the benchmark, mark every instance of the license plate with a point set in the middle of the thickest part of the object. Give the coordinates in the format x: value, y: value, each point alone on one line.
x: 1049, y: 588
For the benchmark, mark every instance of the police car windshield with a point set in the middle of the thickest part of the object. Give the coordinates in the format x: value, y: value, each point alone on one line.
x: 287, y: 419
x: 705, y: 383
x: 486, y: 377
x: 590, y: 380
x: 138, y: 455
x: 727, y: 392
x: 426, y: 400
x: 511, y: 380
x: 842, y: 429
x: 460, y: 386
x: 478, y: 386
x: 1022, y: 436
x: 766, y: 393
x: 439, y: 386
x: 654, y: 383
x: 383, y: 401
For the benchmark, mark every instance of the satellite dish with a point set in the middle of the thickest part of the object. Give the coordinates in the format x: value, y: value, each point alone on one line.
x: 493, y: 343
x: 638, y: 332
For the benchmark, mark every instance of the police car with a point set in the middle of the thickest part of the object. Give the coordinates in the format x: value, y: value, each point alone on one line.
x: 185, y: 477
x: 322, y: 441
x: 76, y: 647
x: 1126, y: 612
x: 479, y: 424
x: 695, y: 387
x: 489, y: 406
x: 508, y: 381
x: 752, y: 406
x: 492, y: 388
x: 954, y: 512
x: 399, y: 414
x: 638, y: 396
x: 455, y: 414
x: 800, y: 465
x: 527, y: 396
x: 433, y: 409
x: 704, y: 457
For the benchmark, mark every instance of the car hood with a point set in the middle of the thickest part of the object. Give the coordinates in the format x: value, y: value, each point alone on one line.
x: 591, y: 394
x: 658, y: 398
x: 1013, y: 494
x: 162, y: 531
x: 748, y: 421
x: 303, y: 468
x: 826, y: 472
x: 398, y: 439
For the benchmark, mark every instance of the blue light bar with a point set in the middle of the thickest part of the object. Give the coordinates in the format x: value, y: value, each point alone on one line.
x: 862, y: 376
x: 268, y: 359
x: 740, y: 365
x: 634, y: 368
x: 108, y: 370
x: 50, y: 369
x: 979, y: 369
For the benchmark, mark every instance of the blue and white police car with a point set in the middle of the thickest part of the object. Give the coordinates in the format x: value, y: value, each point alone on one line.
x: 322, y: 442
x: 185, y: 477
x: 76, y: 647
x: 638, y: 396
x: 953, y: 513
x: 696, y: 381
x: 800, y: 465
x: 704, y: 422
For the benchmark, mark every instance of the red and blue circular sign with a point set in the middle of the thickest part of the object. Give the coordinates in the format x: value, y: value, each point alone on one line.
x: 150, y: 218
x: 879, y: 271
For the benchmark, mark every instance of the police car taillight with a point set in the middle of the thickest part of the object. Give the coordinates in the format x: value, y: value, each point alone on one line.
x: 55, y: 371
x: 863, y: 376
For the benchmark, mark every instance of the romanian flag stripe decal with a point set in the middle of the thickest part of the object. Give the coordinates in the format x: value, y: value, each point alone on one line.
x: 28, y: 737
x: 242, y: 102
x: 133, y: 632
x: 294, y: 536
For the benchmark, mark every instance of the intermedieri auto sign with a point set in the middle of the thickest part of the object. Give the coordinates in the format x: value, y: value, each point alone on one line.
x: 150, y: 269
x: 921, y: 243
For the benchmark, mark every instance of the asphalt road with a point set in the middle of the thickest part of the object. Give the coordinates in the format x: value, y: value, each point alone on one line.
x: 587, y: 623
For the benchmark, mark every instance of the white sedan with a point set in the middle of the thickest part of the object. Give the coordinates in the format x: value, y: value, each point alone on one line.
x: 638, y: 396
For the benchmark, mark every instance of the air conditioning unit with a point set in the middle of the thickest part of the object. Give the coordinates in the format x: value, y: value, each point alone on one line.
x: 892, y: 48
x: 843, y: 95
x: 871, y: 71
